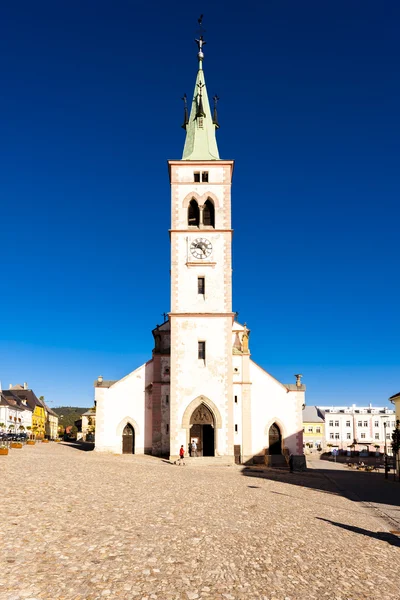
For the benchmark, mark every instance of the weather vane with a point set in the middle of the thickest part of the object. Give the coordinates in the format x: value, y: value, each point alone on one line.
x: 200, y: 42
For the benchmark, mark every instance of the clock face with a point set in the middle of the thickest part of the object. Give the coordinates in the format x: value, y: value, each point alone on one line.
x: 201, y: 248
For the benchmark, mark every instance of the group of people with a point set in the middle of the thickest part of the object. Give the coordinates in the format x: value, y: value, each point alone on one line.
x: 192, y: 451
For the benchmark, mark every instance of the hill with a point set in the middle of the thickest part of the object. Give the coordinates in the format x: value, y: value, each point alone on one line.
x: 68, y: 414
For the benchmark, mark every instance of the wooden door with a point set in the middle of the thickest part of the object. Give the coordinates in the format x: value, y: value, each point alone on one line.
x: 128, y: 440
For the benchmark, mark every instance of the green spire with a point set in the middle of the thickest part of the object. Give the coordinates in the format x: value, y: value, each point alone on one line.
x: 200, y: 143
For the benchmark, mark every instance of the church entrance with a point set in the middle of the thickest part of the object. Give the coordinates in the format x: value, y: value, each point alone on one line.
x: 202, y: 431
x: 128, y: 440
x: 275, y: 440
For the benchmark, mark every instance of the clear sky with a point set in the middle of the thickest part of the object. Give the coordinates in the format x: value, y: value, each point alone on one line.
x: 91, y: 111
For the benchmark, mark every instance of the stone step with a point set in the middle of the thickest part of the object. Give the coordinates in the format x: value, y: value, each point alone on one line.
x: 213, y: 461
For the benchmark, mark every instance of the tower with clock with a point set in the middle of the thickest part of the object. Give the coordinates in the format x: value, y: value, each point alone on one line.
x: 201, y: 389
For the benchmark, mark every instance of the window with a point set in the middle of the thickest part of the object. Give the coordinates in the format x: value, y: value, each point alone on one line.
x: 167, y: 399
x: 388, y: 436
x: 167, y: 428
x: 236, y: 428
x: 310, y: 430
x: 193, y: 214
x: 377, y: 436
x: 348, y: 436
x: 208, y: 214
x: 318, y: 430
x: 359, y: 423
x: 204, y: 176
x: 362, y: 436
x: 348, y: 424
x: 336, y: 423
x: 393, y: 424
x: 365, y: 423
x: 376, y: 423
x: 236, y: 399
x: 330, y: 423
x: 202, y: 350
x: 337, y: 436
x: 331, y: 436
x: 201, y: 285
x: 197, y: 177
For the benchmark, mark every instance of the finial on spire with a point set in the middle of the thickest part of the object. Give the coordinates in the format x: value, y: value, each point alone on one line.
x: 185, y: 112
x: 200, y: 42
x: 215, y: 115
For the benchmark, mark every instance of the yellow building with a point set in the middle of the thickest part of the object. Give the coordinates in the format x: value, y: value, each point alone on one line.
x: 313, y: 428
x: 396, y: 401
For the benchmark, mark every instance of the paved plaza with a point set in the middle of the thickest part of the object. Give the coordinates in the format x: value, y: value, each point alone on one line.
x: 85, y: 526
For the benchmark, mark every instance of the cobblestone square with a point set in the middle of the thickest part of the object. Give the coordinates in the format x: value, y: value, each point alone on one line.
x: 87, y: 526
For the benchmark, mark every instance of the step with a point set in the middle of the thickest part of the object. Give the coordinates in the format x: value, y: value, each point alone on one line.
x: 212, y: 461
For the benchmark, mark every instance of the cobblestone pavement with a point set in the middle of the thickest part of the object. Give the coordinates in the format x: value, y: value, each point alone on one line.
x: 85, y: 526
x: 371, y: 488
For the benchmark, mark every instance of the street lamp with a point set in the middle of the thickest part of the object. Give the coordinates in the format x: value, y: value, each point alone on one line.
x: 386, y: 456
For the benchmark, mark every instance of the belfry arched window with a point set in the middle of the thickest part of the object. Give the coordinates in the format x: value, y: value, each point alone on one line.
x: 193, y: 214
x: 209, y: 214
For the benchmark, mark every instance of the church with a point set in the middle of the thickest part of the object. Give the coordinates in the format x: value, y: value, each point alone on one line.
x: 201, y: 383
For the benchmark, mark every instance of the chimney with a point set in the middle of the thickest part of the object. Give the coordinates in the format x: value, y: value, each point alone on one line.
x: 298, y: 380
x: 100, y: 379
x: 25, y: 386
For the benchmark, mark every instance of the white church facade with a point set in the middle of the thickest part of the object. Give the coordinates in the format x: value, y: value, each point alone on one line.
x: 200, y: 383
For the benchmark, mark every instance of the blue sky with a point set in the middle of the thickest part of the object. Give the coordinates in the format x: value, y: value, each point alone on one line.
x: 90, y: 113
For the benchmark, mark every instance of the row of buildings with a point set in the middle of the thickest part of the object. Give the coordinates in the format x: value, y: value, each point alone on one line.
x: 21, y: 411
x: 353, y: 427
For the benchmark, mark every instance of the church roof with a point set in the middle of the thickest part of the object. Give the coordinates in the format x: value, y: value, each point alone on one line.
x: 105, y: 383
x: 200, y: 143
x: 293, y: 387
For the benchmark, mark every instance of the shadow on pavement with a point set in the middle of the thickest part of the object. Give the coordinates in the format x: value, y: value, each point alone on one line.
x: 380, y: 535
x: 354, y: 485
x: 84, y: 446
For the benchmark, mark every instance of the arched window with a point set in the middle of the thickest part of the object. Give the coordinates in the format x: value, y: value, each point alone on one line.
x: 193, y: 214
x: 209, y: 214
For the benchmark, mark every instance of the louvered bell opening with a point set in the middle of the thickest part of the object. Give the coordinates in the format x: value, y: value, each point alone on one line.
x: 193, y: 214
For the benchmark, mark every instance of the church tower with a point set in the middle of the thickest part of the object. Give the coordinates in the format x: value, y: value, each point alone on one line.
x: 201, y: 405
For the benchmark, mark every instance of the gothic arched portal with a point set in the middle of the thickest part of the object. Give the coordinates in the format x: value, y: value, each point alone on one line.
x: 202, y: 430
x: 274, y: 440
x: 128, y: 439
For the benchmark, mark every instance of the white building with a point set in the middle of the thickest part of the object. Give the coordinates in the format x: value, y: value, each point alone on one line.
x: 200, y: 383
x: 362, y: 426
x: 15, y: 415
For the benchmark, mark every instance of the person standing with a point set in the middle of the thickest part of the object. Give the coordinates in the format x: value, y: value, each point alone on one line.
x: 194, y: 448
x: 181, y: 456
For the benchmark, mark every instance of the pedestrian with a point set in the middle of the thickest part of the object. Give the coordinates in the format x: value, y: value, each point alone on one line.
x: 181, y: 456
x: 194, y: 448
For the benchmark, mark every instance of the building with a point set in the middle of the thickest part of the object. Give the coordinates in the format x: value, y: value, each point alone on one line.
x: 15, y: 414
x: 396, y: 401
x: 88, y: 424
x: 39, y: 416
x: 360, y: 427
x: 201, y: 383
x: 14, y: 417
x: 313, y: 428
x: 51, y: 427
